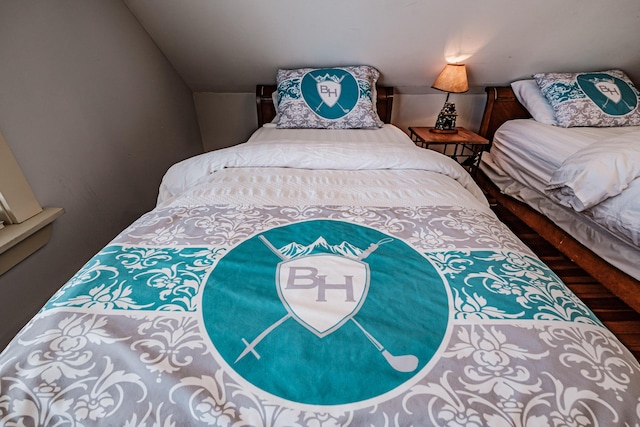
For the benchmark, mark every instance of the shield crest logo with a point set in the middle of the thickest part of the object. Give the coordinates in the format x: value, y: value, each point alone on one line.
x: 322, y: 292
x: 610, y: 90
x: 611, y: 94
x: 329, y: 91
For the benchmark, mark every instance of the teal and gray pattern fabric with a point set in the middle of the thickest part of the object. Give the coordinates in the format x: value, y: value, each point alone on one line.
x: 599, y: 99
x: 328, y: 98
x: 317, y: 316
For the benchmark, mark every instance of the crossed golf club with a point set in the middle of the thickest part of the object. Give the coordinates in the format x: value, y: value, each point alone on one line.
x: 401, y: 363
x: 344, y: 110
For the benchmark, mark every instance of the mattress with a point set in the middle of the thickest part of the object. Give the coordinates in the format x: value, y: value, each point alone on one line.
x: 307, y: 283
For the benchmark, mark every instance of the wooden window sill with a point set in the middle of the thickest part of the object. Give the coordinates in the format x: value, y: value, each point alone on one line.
x: 18, y: 241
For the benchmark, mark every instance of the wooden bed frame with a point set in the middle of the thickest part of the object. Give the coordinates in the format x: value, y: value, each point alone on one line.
x: 501, y: 106
x: 267, y: 111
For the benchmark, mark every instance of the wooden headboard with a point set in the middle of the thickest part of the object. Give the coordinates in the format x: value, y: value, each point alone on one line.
x: 267, y: 111
x: 502, y: 105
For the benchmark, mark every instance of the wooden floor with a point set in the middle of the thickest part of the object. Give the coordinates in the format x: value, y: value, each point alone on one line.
x: 615, y: 314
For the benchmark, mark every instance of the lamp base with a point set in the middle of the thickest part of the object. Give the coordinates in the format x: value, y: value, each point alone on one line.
x: 446, y: 121
x: 434, y: 130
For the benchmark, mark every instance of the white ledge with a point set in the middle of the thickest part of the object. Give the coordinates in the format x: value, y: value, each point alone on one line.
x: 18, y: 241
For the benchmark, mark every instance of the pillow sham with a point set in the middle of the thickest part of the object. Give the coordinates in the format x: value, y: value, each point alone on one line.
x: 328, y: 98
x: 599, y: 99
x: 531, y: 97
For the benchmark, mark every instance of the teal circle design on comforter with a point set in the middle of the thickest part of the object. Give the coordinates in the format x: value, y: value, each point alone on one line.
x: 310, y: 312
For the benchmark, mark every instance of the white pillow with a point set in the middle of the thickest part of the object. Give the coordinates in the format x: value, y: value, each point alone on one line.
x: 274, y: 99
x: 531, y: 97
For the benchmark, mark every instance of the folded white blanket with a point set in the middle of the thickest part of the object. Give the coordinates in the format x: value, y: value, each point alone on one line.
x: 314, y: 155
x: 601, y: 171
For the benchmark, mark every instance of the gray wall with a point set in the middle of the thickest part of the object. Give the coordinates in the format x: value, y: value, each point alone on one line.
x: 230, y: 45
x: 94, y: 114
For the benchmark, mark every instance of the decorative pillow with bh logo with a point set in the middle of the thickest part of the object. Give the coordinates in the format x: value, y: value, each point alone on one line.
x: 599, y: 99
x: 328, y: 98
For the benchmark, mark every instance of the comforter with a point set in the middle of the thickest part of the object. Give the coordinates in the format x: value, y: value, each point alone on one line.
x: 381, y: 291
x: 602, y: 181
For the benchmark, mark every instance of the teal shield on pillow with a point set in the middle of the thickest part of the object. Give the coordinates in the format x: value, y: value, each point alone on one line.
x: 328, y: 98
x: 613, y: 95
x: 330, y: 92
x: 598, y: 99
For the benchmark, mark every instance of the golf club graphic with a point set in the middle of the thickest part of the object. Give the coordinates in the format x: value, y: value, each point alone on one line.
x: 344, y: 110
x: 401, y: 363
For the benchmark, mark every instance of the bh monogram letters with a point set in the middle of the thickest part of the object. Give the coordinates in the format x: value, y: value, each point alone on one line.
x: 308, y: 278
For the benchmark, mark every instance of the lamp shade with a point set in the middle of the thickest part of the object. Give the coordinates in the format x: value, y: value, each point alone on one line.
x: 453, y: 78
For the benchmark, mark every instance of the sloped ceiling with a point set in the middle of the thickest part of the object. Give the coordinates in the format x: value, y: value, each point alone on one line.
x: 228, y: 46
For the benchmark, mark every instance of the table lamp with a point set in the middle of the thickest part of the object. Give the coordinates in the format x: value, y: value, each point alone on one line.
x: 452, y: 79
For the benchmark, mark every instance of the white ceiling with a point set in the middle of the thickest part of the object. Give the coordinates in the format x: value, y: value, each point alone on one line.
x: 229, y: 46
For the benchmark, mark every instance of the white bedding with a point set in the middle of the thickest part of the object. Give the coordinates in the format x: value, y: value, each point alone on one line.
x: 205, y: 311
x: 525, y: 155
x: 319, y: 166
x: 531, y: 152
x: 602, y: 170
x: 615, y: 251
